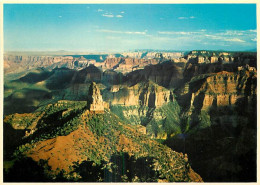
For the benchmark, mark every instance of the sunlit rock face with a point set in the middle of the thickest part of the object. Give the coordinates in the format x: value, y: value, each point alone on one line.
x: 145, y: 94
x: 222, y: 89
x: 95, y: 100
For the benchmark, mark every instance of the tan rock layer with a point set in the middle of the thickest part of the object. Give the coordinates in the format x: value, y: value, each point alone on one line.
x: 147, y: 95
x: 223, y: 88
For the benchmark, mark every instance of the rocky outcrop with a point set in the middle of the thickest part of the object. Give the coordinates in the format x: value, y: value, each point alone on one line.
x: 151, y: 55
x: 213, y: 59
x: 110, y: 63
x: 126, y: 65
x: 219, y: 111
x: 142, y: 94
x: 146, y: 104
x: 133, y: 54
x: 220, y: 89
x: 201, y: 59
x: 198, y: 57
x: 95, y: 101
x: 67, y: 144
x: 14, y: 63
x: 20, y: 63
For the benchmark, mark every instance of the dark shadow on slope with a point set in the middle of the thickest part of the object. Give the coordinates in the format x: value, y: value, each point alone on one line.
x: 26, y: 170
x: 60, y: 78
x: 26, y: 103
x: 12, y: 139
x: 218, y: 156
x: 35, y: 77
x: 88, y: 74
x: 124, y: 168
x: 166, y: 74
x: 226, y: 150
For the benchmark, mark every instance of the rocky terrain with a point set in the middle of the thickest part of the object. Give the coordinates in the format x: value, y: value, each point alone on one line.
x: 65, y: 139
x: 219, y: 118
x: 125, y: 62
x: 202, y: 103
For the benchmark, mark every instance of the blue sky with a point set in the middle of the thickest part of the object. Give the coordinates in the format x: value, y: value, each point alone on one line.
x: 123, y: 27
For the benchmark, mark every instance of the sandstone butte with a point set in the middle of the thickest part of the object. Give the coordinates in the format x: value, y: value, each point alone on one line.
x: 95, y: 101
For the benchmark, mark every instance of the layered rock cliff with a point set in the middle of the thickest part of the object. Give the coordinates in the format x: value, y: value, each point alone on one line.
x: 203, y: 104
x: 219, y: 124
x: 142, y: 94
x: 204, y: 62
x: 95, y: 100
x: 218, y: 56
x: 20, y: 63
x: 120, y: 64
x: 146, y: 104
x: 221, y: 89
x: 126, y: 65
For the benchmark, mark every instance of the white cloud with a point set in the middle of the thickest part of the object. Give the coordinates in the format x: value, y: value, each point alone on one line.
x: 222, y: 37
x: 60, y: 16
x: 123, y: 32
x: 135, y: 32
x: 215, y: 37
x: 177, y: 32
x: 255, y: 39
x: 108, y: 15
x: 234, y: 40
x: 191, y: 17
x: 225, y: 38
x: 182, y: 18
x: 122, y: 12
x: 226, y: 35
x: 232, y: 32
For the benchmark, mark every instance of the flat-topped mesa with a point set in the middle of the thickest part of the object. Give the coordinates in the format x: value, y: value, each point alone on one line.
x: 95, y: 100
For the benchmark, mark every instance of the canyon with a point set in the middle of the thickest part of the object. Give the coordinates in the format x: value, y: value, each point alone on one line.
x: 196, y: 103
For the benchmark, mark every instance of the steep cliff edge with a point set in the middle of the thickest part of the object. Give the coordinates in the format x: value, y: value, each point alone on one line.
x: 146, y: 104
x: 144, y: 94
x: 219, y: 125
x: 204, y: 62
x: 223, y: 89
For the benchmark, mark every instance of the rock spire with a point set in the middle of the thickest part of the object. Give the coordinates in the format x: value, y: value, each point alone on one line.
x: 95, y: 100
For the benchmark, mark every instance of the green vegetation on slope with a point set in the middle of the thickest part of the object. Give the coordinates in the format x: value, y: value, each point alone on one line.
x: 114, y: 140
x: 159, y: 122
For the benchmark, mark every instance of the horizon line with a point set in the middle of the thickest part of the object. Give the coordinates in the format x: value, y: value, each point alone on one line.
x: 121, y: 51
